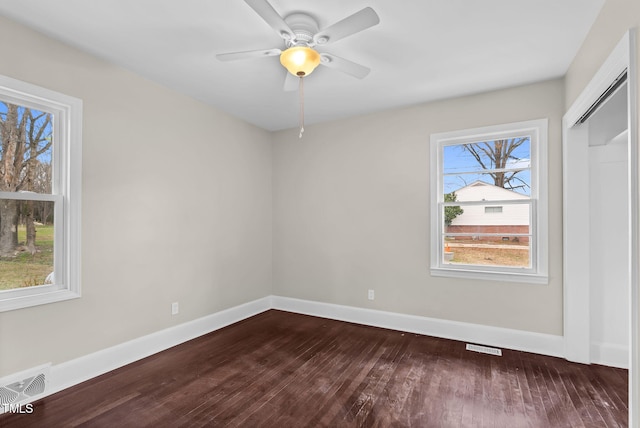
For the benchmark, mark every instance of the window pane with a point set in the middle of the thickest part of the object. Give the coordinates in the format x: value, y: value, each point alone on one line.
x: 26, y: 149
x: 488, y: 235
x: 27, y: 253
x: 502, y: 163
x: 512, y: 252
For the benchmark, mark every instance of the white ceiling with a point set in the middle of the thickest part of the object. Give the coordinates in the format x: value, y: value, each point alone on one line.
x: 422, y: 50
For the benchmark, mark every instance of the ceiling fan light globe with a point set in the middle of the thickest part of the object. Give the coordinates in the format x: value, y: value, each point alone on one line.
x: 300, y: 60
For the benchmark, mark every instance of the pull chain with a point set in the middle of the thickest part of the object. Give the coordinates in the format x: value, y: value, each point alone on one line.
x: 301, y: 91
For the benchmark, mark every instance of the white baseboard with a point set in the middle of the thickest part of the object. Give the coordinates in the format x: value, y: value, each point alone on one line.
x: 519, y: 340
x: 89, y: 366
x: 610, y: 354
x: 78, y: 370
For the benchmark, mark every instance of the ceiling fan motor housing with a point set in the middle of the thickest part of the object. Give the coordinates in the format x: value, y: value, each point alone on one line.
x: 303, y: 26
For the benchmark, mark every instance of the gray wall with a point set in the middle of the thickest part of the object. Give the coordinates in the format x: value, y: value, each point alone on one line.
x: 176, y: 207
x: 351, y: 213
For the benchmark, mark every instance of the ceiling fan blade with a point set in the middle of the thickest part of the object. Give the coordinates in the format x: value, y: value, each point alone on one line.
x: 234, y: 56
x: 291, y: 83
x: 271, y: 17
x: 344, y: 65
x: 359, y: 21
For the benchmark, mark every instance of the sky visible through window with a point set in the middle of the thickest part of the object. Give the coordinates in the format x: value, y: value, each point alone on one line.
x: 47, y: 132
x: 461, y: 168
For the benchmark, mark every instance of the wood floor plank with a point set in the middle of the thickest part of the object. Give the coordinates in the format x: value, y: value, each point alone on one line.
x: 531, y: 400
x: 395, y: 394
x: 279, y: 369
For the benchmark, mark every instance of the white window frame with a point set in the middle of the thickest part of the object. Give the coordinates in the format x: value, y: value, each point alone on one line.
x: 538, y: 273
x: 66, y: 192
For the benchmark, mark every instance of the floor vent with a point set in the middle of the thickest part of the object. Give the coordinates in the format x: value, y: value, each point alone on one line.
x: 484, y: 349
x: 23, y: 387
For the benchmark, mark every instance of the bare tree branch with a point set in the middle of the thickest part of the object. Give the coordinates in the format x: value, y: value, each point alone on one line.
x: 496, y: 155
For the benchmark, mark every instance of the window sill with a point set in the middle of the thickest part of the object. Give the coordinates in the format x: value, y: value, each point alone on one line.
x: 26, y: 301
x: 529, y: 278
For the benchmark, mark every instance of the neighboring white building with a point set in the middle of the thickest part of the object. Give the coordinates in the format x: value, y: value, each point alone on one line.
x: 494, y: 217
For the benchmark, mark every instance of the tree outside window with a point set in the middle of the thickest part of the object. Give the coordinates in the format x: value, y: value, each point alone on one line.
x: 40, y: 181
x: 25, y: 167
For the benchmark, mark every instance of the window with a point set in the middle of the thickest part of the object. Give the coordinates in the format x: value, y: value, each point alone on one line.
x: 488, y: 203
x: 40, y: 178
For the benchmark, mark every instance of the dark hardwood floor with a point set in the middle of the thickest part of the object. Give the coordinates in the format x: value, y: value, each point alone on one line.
x: 279, y: 369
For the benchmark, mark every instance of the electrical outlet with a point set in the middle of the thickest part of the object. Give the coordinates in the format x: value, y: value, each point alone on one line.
x: 175, y: 308
x: 371, y: 295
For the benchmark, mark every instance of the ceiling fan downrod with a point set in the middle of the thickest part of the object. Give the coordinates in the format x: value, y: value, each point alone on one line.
x: 301, y: 91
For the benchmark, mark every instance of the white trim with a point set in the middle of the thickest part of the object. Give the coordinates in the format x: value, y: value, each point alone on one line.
x: 576, y: 222
x: 30, y: 196
x: 471, y: 273
x: 633, y: 77
x: 519, y: 340
x: 575, y: 232
x: 75, y: 371
x: 615, y: 64
x: 610, y: 354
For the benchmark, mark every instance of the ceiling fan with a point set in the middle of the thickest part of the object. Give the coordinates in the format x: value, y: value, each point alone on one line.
x: 301, y: 35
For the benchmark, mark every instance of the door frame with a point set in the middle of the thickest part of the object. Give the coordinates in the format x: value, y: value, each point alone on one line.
x: 575, y: 146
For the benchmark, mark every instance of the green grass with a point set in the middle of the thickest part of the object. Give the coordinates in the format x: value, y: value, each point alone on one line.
x: 24, y: 269
x: 516, y: 257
